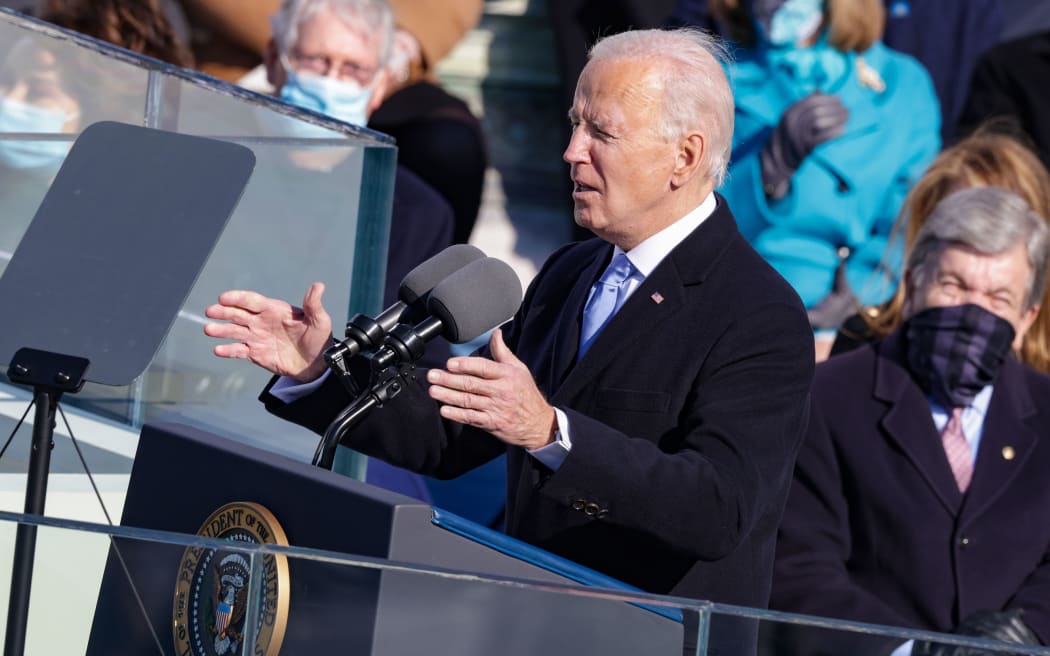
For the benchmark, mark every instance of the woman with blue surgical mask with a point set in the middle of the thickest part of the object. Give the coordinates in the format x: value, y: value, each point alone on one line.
x: 831, y: 130
x: 34, y: 99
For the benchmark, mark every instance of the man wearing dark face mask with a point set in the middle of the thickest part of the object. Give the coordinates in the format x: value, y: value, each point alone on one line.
x: 920, y: 497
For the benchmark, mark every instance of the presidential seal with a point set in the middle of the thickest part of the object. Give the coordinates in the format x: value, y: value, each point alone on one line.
x: 214, y: 601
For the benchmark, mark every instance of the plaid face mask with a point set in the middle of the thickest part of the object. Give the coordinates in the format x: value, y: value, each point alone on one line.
x: 954, y: 352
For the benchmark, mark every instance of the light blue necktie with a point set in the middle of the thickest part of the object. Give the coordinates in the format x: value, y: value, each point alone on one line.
x: 607, y: 295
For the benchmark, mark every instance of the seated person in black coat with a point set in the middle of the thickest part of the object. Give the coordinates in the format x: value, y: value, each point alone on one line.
x: 920, y: 497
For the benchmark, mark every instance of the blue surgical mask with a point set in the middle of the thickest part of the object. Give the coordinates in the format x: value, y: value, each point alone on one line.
x: 342, y: 100
x: 17, y: 116
x: 786, y: 23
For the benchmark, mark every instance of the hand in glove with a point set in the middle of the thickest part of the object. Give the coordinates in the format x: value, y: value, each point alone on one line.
x: 1005, y: 626
x: 817, y: 118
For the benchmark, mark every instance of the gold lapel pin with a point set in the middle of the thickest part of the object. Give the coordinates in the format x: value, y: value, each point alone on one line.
x: 869, y: 77
x: 1008, y: 453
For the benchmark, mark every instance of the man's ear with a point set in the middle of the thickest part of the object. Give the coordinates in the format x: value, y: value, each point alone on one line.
x: 379, y: 88
x: 275, y: 73
x: 688, y: 159
x: 1027, y: 319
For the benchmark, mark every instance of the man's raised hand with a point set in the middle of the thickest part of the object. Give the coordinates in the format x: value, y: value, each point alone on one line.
x: 281, y: 338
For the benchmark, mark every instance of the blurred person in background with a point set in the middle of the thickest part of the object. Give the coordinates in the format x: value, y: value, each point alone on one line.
x: 439, y: 138
x: 947, y: 37
x: 832, y: 129
x: 986, y: 158
x: 1009, y: 84
x: 40, y: 92
x: 141, y: 26
x: 331, y: 57
x: 920, y: 497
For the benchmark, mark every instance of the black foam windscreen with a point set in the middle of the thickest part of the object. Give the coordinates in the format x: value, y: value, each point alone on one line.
x: 420, y: 280
x: 475, y: 299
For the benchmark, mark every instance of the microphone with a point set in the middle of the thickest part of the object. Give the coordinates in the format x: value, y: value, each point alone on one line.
x: 477, y: 298
x: 366, y: 333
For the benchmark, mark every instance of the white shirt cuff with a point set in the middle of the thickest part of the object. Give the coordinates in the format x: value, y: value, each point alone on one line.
x: 288, y: 389
x: 904, y: 650
x: 554, y: 453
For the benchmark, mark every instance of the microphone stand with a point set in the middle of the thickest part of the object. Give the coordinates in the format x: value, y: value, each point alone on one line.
x: 362, y: 332
x: 393, y: 367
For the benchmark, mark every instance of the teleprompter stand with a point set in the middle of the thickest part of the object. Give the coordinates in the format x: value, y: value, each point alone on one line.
x: 99, y: 277
x: 50, y: 375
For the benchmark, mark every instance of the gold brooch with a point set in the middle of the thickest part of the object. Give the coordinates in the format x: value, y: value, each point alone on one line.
x: 869, y: 77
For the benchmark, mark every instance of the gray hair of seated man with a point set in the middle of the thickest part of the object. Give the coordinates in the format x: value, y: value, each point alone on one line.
x: 696, y: 93
x: 373, y: 17
x: 988, y: 220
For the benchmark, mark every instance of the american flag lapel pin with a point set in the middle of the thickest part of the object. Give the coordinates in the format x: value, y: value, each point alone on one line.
x: 657, y: 297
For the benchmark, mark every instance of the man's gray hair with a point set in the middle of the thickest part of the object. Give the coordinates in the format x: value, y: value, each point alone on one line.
x: 696, y: 93
x: 988, y: 220
x: 372, y: 17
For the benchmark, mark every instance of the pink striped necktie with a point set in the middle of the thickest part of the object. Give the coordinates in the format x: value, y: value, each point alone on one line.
x: 960, y: 458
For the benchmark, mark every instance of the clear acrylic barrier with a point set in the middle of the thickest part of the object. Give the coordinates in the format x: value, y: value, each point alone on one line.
x: 776, y: 634
x: 387, y: 607
x: 316, y: 208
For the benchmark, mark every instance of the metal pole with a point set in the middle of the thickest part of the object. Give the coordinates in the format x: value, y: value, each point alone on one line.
x: 25, y: 538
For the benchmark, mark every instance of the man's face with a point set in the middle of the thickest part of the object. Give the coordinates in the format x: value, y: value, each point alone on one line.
x: 998, y: 283
x: 329, y: 46
x: 620, y: 165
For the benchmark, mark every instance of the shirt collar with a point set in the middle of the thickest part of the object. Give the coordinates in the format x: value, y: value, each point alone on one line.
x: 978, y: 405
x: 647, y: 255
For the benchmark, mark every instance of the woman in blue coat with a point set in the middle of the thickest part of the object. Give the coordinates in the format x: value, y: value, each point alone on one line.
x: 832, y: 128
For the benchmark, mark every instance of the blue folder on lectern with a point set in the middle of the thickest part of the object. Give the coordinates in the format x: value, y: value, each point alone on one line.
x: 182, y: 475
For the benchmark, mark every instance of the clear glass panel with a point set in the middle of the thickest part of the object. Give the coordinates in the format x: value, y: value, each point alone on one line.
x: 316, y: 208
x: 773, y: 634
x: 167, y: 589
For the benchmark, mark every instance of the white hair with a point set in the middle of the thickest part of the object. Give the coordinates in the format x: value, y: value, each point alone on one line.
x: 696, y: 93
x: 372, y: 17
x: 989, y: 220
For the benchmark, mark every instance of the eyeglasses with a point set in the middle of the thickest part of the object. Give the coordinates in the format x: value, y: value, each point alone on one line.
x: 323, y: 65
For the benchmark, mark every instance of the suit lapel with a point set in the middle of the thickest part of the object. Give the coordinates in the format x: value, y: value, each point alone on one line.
x: 637, y: 317
x: 660, y: 296
x: 567, y: 338
x: 908, y: 423
x: 1006, y: 441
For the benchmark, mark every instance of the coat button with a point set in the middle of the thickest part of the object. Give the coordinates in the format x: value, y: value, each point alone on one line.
x: 591, y: 509
x: 603, y: 513
x: 964, y: 542
x: 577, y: 504
x: 1008, y: 453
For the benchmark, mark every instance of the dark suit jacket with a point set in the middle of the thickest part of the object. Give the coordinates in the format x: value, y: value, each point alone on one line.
x: 876, y: 530
x: 685, y: 417
x: 1009, y: 82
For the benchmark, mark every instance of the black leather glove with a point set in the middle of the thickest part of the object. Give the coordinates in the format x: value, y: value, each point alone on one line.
x: 817, y: 118
x: 1003, y: 625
